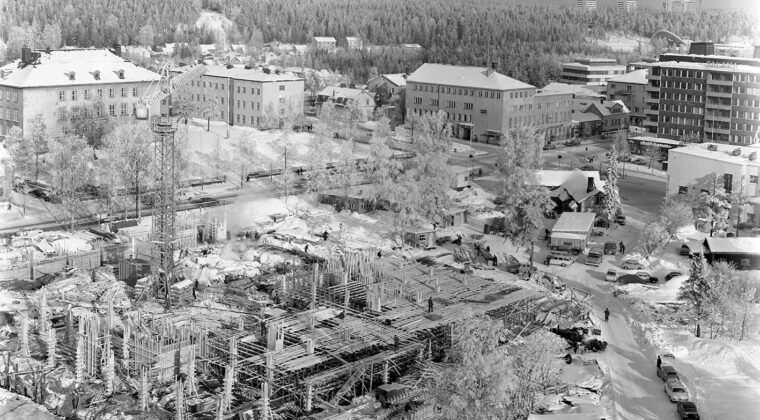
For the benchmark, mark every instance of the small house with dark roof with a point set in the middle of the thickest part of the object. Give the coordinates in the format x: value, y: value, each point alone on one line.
x: 743, y: 253
x: 573, y: 191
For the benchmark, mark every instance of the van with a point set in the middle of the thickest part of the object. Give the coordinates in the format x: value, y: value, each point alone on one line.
x: 594, y: 257
x: 560, y: 259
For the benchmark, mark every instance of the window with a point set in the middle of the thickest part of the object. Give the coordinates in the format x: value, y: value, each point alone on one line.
x: 221, y: 114
x: 15, y: 115
x: 86, y: 94
x: 244, y: 107
x: 61, y: 95
x: 728, y: 182
x: 204, y: 84
x: 258, y: 91
x: 134, y: 92
x: 237, y: 104
x: 258, y: 106
x: 99, y: 93
x: 216, y: 85
x: 112, y: 110
x: 451, y: 104
x: 123, y: 92
x: 282, y: 87
x: 418, y: 101
x: 753, y: 179
x: 434, y: 102
x: 61, y: 114
x: 110, y: 93
x: 74, y: 95
x: 123, y: 109
x: 468, y: 106
x: 483, y: 111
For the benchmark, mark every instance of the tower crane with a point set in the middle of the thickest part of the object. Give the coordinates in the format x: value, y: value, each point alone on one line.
x: 164, y: 126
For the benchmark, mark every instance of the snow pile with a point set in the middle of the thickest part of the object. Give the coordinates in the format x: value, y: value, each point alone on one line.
x: 666, y: 293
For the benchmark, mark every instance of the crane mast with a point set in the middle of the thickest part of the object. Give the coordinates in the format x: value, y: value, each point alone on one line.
x: 164, y: 217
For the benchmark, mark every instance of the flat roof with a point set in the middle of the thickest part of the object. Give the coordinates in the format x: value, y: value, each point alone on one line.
x: 722, y: 154
x: 734, y: 245
x: 638, y: 77
x: 731, y: 68
x: 658, y: 140
x: 465, y: 76
x: 574, y: 222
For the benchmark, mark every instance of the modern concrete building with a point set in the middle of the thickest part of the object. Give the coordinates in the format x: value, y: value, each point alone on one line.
x: 482, y: 104
x: 631, y: 89
x: 627, y: 6
x: 737, y: 167
x: 704, y: 101
x: 590, y: 71
x: 587, y: 5
x: 65, y: 85
x: 247, y: 97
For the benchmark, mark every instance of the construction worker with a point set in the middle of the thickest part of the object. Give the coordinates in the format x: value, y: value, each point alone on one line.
x: 606, y: 314
x: 430, y: 304
x: 659, y: 361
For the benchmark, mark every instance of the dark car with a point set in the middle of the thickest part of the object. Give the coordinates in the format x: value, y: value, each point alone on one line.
x: 673, y: 274
x: 687, y: 410
x: 573, y: 142
x: 668, y: 373
x: 610, y: 248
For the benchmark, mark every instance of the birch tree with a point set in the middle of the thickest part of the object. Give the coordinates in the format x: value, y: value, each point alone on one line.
x: 535, y: 365
x: 380, y: 167
x: 130, y: 151
x: 39, y: 142
x: 611, y: 191
x: 71, y: 168
x: 19, y: 149
x: 524, y: 202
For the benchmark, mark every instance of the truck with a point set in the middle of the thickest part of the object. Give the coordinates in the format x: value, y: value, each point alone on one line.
x: 594, y: 257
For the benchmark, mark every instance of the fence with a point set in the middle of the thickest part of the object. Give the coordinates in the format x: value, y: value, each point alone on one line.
x: 87, y: 260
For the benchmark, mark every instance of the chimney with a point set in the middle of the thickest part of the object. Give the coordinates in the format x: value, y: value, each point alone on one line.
x: 26, y: 55
x: 590, y: 184
x: 406, y: 71
x: 116, y: 49
x: 491, y: 69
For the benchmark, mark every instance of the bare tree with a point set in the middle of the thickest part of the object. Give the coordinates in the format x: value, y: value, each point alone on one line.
x: 39, y: 142
x: 652, y: 237
x: 380, y: 167
x: 71, y: 167
x: 130, y: 150
x: 673, y: 216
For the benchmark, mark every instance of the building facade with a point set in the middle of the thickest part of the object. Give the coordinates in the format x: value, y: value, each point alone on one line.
x: 246, y: 97
x: 587, y: 5
x: 347, y: 98
x: 590, y: 71
x: 679, y: 6
x: 63, y: 86
x: 480, y: 103
x: 626, y: 6
x: 354, y: 43
x: 704, y: 101
x: 325, y: 43
x: 631, y: 89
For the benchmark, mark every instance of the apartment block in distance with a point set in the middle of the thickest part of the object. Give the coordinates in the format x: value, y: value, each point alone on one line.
x: 247, y: 97
x: 735, y: 167
x: 484, y: 105
x: 627, y: 6
x: 631, y: 89
x: 64, y: 85
x: 704, y: 102
x: 679, y: 6
x: 587, y: 5
x: 590, y: 71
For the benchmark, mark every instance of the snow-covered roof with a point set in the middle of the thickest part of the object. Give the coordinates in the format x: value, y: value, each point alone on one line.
x: 74, y: 67
x: 743, y: 245
x: 638, y: 77
x: 324, y: 39
x: 396, y: 78
x: 465, y: 76
x: 552, y: 178
x: 722, y: 154
x: 241, y: 73
x: 574, y: 222
x: 657, y: 140
x: 577, y: 90
x: 341, y: 92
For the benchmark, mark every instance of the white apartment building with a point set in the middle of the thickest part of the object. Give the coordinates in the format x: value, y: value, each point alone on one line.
x: 737, y: 167
x: 64, y: 85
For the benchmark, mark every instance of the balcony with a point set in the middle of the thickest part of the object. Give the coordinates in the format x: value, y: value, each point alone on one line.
x: 716, y: 94
x: 726, y: 119
x: 715, y: 130
x: 716, y: 105
x: 720, y: 82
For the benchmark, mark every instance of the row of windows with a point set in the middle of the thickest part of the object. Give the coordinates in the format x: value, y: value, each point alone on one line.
x: 688, y: 97
x: 683, y: 85
x: 9, y: 95
x: 447, y: 90
x: 749, y: 103
x: 747, y: 115
x: 678, y: 131
x: 458, y: 117
x: 9, y: 114
x: 88, y: 94
x: 686, y: 109
x: 258, y: 104
x: 682, y: 120
x: 113, y: 110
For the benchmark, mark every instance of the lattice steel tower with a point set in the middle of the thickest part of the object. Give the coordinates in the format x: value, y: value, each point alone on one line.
x: 162, y: 265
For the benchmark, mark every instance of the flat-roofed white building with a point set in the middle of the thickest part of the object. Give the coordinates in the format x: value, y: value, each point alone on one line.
x: 736, y: 167
x: 590, y: 71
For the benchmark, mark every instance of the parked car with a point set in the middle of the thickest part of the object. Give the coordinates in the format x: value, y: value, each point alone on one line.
x: 624, y: 159
x: 641, y: 161
x: 587, y: 168
x: 676, y: 391
x: 550, y: 146
x: 633, y: 278
x: 668, y: 373
x: 560, y: 259
x: 619, y: 217
x: 610, y: 248
x: 594, y: 257
x: 573, y: 142
x: 632, y: 265
x: 611, y: 275
x: 673, y: 274
x: 525, y: 269
x: 687, y: 410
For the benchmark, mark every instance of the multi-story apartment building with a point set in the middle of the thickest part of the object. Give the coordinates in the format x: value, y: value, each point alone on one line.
x: 587, y: 5
x: 704, y: 101
x: 354, y: 43
x: 590, y: 71
x: 325, y: 43
x: 65, y: 85
x: 482, y: 104
x: 631, y: 89
x: 736, y: 167
x: 626, y: 6
x: 679, y: 6
x: 246, y: 97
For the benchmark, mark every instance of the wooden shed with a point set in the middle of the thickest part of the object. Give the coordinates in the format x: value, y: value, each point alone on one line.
x: 420, y: 238
x: 572, y: 230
